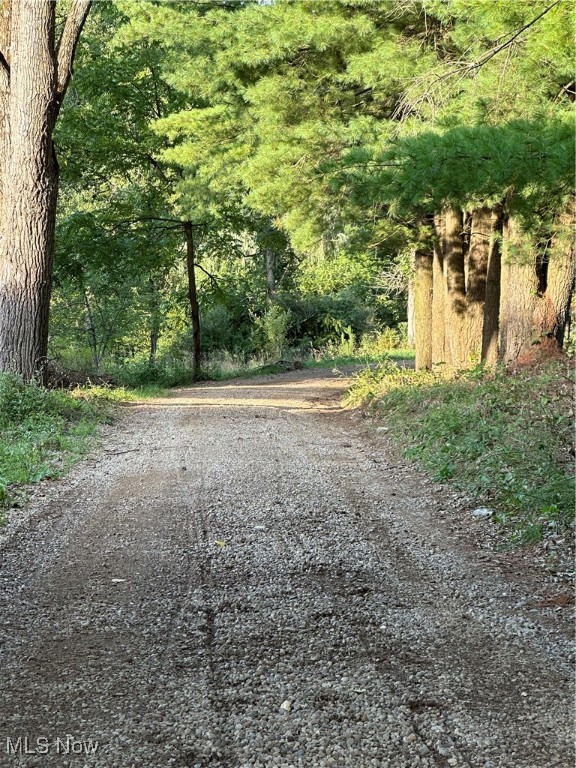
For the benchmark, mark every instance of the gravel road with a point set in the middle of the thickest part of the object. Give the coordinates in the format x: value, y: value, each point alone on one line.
x: 244, y: 575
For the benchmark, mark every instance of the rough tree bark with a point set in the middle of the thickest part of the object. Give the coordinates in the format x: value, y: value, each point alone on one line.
x: 490, y: 324
x: 438, y: 296
x: 518, y: 295
x: 34, y: 76
x: 455, y: 303
x: 476, y: 273
x: 423, y: 295
x: 193, y: 298
x: 465, y: 255
x: 552, y: 309
x: 536, y: 290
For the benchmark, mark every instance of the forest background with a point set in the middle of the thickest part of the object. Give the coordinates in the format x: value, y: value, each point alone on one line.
x: 258, y: 177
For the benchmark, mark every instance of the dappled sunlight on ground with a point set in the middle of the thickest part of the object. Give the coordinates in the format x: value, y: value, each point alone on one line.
x: 295, y: 391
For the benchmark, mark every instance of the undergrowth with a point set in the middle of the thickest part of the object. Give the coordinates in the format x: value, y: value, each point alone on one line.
x: 44, y: 431
x: 41, y: 433
x: 503, y: 438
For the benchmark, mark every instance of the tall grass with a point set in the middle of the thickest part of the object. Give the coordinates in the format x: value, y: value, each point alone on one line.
x: 41, y: 433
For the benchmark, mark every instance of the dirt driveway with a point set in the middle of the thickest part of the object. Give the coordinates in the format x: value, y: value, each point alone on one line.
x: 246, y: 576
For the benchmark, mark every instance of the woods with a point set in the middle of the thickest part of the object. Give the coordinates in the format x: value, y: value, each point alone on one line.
x: 246, y: 178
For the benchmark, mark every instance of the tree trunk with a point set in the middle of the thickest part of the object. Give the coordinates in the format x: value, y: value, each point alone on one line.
x: 552, y: 310
x: 31, y: 93
x: 476, y: 273
x: 270, y: 278
x: 438, y: 296
x: 455, y: 306
x: 30, y: 185
x: 410, y: 311
x: 423, y: 296
x: 490, y: 324
x: 518, y: 298
x: 193, y: 298
x: 466, y: 247
x: 91, y: 331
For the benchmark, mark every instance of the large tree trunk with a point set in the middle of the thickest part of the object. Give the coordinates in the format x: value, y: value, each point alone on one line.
x: 536, y: 290
x: 438, y: 296
x: 423, y: 293
x: 476, y: 272
x: 455, y: 306
x: 30, y: 185
x: 193, y: 298
x: 466, y: 250
x: 31, y: 93
x: 518, y: 292
x: 552, y: 310
x: 490, y: 325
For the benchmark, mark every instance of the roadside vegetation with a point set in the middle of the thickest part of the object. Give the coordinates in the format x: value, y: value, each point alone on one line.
x: 368, y: 349
x: 43, y: 432
x: 504, y: 438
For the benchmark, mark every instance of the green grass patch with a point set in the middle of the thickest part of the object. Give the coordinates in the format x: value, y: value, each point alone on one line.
x: 358, y: 358
x: 42, y: 432
x: 503, y: 438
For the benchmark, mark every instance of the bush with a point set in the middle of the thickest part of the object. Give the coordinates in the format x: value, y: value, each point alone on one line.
x: 145, y: 374
x: 271, y: 331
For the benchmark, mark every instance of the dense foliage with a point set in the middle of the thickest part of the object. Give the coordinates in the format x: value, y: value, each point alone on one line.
x: 313, y: 148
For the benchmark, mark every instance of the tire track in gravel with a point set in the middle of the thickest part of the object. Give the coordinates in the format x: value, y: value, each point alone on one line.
x: 241, y: 545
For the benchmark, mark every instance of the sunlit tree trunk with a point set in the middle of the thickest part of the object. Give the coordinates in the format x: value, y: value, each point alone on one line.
x: 491, y: 324
x: 455, y: 306
x: 32, y: 86
x: 552, y: 310
x: 193, y: 298
x: 518, y: 292
x: 423, y: 293
x: 438, y: 296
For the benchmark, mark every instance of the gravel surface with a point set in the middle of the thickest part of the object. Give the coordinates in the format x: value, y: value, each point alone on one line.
x: 245, y: 576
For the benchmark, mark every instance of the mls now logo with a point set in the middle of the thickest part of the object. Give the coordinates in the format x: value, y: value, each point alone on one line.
x: 44, y: 746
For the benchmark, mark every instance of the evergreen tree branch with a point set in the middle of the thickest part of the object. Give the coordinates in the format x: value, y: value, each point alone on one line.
x: 490, y: 54
x: 404, y: 106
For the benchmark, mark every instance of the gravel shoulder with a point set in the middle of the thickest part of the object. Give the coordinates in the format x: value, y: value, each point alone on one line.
x: 245, y: 575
